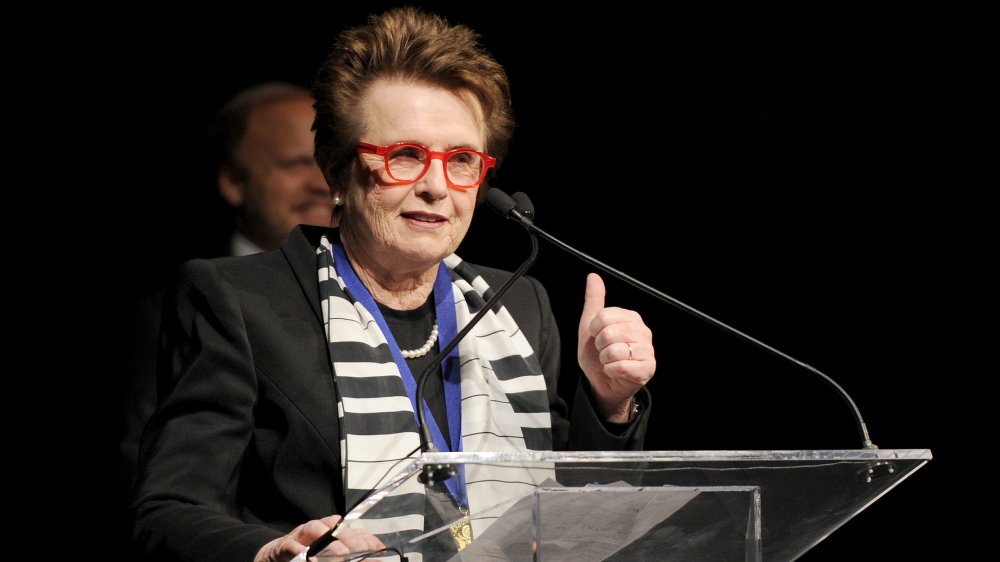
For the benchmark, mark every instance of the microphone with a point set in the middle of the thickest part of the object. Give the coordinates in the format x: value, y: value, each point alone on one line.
x: 518, y: 208
x: 524, y: 205
x: 431, y: 474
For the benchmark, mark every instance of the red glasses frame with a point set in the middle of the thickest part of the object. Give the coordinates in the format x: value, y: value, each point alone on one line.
x: 384, y: 151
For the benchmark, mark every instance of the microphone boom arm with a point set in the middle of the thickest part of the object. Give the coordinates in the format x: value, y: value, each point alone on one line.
x: 528, y: 224
x: 442, y: 472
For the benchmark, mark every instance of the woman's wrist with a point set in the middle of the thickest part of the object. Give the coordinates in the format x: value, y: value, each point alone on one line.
x: 623, y: 413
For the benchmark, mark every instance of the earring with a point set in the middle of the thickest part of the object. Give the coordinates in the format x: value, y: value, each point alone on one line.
x: 337, y: 201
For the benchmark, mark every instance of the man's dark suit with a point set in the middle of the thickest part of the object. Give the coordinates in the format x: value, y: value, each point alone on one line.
x: 247, y: 428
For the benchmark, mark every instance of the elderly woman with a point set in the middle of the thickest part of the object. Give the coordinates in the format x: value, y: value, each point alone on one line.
x: 288, y: 377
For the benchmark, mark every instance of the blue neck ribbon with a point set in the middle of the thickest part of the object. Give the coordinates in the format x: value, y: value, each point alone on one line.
x: 444, y: 308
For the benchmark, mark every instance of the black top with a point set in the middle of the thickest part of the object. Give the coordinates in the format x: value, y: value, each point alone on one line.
x: 411, y: 328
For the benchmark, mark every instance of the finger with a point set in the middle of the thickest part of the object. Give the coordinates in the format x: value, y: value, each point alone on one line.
x: 312, y: 531
x: 620, y: 351
x: 360, y: 540
x: 308, y: 532
x: 621, y: 326
x: 634, y: 373
x: 331, y: 520
x: 593, y: 302
x: 336, y: 548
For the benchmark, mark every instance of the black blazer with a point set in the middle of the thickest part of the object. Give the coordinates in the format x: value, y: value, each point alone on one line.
x: 244, y: 445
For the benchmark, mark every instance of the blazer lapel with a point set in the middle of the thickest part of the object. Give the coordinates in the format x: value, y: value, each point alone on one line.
x: 300, y: 251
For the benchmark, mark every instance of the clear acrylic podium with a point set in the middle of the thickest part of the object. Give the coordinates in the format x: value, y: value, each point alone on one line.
x: 653, y: 505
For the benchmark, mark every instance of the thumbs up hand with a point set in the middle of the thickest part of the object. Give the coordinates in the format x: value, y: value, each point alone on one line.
x: 615, y: 351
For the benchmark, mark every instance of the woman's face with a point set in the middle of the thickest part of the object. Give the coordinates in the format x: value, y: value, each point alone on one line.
x: 411, y: 227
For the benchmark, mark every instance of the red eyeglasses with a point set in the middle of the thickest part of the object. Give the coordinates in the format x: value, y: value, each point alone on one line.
x: 407, y: 162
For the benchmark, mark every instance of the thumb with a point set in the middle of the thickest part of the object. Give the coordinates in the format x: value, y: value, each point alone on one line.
x: 593, y: 302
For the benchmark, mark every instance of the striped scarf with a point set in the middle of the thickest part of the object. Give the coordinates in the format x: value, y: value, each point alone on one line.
x: 503, y: 396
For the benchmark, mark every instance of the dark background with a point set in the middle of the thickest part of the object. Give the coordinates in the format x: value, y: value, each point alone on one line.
x: 797, y: 176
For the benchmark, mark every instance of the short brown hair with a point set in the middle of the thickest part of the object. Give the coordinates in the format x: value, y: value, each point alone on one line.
x: 404, y: 44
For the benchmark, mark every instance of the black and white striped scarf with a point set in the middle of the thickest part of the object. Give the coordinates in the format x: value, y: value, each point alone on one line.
x: 504, y: 399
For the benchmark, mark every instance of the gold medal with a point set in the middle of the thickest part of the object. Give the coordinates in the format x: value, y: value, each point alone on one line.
x: 462, y: 531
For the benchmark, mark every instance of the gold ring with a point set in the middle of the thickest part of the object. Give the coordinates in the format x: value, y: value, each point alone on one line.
x: 629, y: 351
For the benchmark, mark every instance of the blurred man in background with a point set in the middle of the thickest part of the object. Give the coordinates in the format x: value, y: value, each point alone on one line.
x: 262, y: 141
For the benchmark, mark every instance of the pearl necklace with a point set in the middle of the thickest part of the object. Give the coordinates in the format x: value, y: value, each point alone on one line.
x: 424, y: 349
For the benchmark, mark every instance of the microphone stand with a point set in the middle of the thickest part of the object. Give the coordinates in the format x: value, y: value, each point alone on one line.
x: 441, y: 472
x: 514, y: 214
